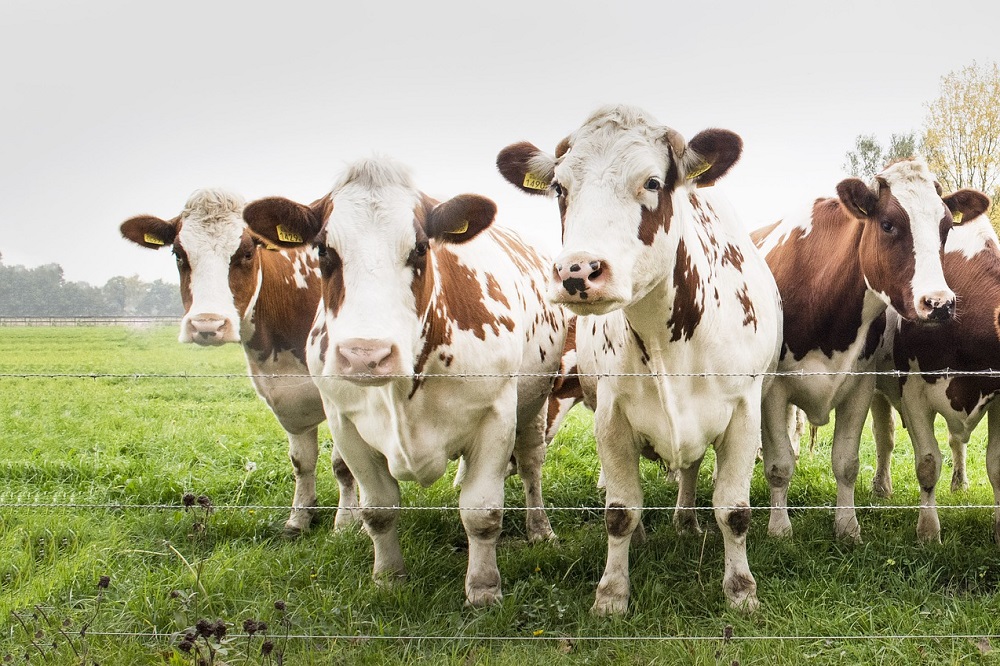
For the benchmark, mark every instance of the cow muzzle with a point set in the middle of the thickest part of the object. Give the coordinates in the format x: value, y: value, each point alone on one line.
x: 209, y: 329
x: 368, y: 362
x: 936, y: 307
x: 582, y: 282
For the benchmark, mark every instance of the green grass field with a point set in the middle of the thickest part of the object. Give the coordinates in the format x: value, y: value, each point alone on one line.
x: 141, y: 440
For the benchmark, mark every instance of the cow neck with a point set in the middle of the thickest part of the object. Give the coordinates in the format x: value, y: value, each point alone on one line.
x: 969, y: 341
x: 281, y: 313
x: 828, y: 306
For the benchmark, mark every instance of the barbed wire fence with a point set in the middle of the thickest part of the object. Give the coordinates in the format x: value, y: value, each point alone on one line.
x: 37, y: 501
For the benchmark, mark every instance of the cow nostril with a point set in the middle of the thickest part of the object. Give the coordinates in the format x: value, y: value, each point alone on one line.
x: 595, y: 265
x: 574, y: 268
x: 558, y: 267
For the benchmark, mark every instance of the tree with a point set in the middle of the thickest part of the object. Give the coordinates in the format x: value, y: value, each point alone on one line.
x: 962, y: 131
x: 870, y: 157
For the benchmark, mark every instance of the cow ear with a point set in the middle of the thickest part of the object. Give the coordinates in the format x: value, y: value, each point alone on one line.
x: 859, y: 199
x: 527, y: 168
x: 287, y: 223
x: 460, y: 219
x: 710, y: 155
x: 149, y: 231
x: 966, y: 205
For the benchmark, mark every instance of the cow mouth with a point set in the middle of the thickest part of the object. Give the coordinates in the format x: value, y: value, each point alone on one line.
x: 582, y: 304
x: 366, y: 380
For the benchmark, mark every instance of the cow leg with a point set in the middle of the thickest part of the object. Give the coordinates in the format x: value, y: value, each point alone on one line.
x: 993, y: 462
x: 481, y: 507
x: 927, y: 459
x: 686, y: 513
x: 959, y: 445
x: 529, y: 451
x: 884, y: 431
x: 851, y: 415
x: 303, y: 451
x: 618, y: 450
x: 347, y: 504
x: 379, y: 500
x: 736, y: 453
x: 779, y: 459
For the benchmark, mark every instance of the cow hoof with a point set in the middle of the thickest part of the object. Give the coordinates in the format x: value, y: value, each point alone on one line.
x: 850, y: 533
x: 389, y: 580
x: 543, y: 536
x: 748, y: 604
x: 291, y: 532
x: 959, y: 483
x: 686, y: 523
x: 609, y: 606
x: 346, y: 519
x: 482, y: 597
x: 882, y: 489
x: 741, y: 592
x: 779, y: 529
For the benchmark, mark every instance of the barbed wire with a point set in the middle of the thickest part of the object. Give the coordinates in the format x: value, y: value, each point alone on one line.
x: 123, y: 506
x: 508, y: 375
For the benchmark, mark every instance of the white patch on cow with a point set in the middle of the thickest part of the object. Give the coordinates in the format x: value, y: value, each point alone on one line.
x: 211, y: 229
x: 798, y: 219
x: 301, y: 270
x: 912, y: 184
x: 971, y: 238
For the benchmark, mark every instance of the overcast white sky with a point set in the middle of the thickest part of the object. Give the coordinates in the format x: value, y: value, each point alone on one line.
x: 111, y: 109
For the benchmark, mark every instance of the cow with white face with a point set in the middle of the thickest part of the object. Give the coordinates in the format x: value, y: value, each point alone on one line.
x: 433, y: 341
x: 678, y: 316
x: 235, y: 289
x: 839, y: 264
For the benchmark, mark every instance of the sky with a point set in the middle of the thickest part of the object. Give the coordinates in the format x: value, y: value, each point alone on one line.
x: 112, y: 109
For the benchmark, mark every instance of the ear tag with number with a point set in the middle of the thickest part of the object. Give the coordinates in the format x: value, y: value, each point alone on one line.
x: 958, y: 217
x: 533, y: 182
x: 286, y: 236
x: 462, y: 229
x: 152, y: 240
x: 698, y: 170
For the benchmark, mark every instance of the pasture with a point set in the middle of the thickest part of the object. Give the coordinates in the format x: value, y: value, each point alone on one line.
x: 95, y: 469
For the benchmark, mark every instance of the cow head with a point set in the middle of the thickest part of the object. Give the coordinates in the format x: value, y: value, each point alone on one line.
x: 906, y: 223
x: 217, y: 259
x: 618, y: 180
x: 377, y: 236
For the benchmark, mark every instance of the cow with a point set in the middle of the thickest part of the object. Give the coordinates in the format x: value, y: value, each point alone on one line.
x: 839, y: 265
x: 433, y: 341
x: 679, y: 319
x: 236, y: 289
x: 969, y: 342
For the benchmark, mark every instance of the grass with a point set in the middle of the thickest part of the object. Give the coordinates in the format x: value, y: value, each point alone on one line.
x: 147, y: 440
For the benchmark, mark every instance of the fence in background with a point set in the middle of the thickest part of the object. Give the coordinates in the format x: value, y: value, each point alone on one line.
x: 88, y: 321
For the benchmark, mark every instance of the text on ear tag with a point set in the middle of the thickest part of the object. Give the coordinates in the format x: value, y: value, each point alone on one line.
x: 698, y: 170
x: 958, y: 217
x: 533, y: 182
x: 462, y: 229
x: 286, y: 236
x: 152, y: 240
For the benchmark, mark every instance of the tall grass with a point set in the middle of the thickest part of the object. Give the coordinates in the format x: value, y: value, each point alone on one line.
x: 139, y: 439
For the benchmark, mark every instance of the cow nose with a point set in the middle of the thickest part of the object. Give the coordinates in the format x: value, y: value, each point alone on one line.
x: 367, y: 357
x: 938, y: 307
x: 208, y: 329
x: 580, y: 274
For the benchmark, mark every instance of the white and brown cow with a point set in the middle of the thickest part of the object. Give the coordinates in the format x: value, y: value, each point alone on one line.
x: 678, y: 316
x: 235, y: 289
x: 839, y: 265
x: 433, y: 341
x: 969, y: 342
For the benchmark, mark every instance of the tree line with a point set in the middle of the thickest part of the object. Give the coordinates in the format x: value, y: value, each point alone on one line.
x: 43, y: 291
x: 960, y: 137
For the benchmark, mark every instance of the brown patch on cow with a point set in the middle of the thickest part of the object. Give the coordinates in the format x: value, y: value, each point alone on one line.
x: 486, y: 524
x: 874, y: 337
x: 733, y: 256
x: 749, y: 312
x: 820, y: 281
x: 927, y: 472
x: 739, y: 520
x: 324, y: 345
x: 739, y: 585
x: 282, y: 321
x: 652, y: 221
x: 968, y: 342
x: 618, y: 520
x: 887, y: 261
x: 378, y: 521
x: 643, y: 354
x: 494, y: 291
x: 689, y: 297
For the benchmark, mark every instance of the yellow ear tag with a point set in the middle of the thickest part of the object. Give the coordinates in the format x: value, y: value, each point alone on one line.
x: 286, y: 236
x: 958, y: 217
x: 700, y: 169
x: 152, y: 240
x: 462, y: 229
x: 533, y: 182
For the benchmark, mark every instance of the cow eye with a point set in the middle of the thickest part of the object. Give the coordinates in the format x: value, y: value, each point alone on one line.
x: 558, y: 189
x: 320, y: 250
x: 652, y: 185
x: 886, y: 226
x: 421, y: 248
